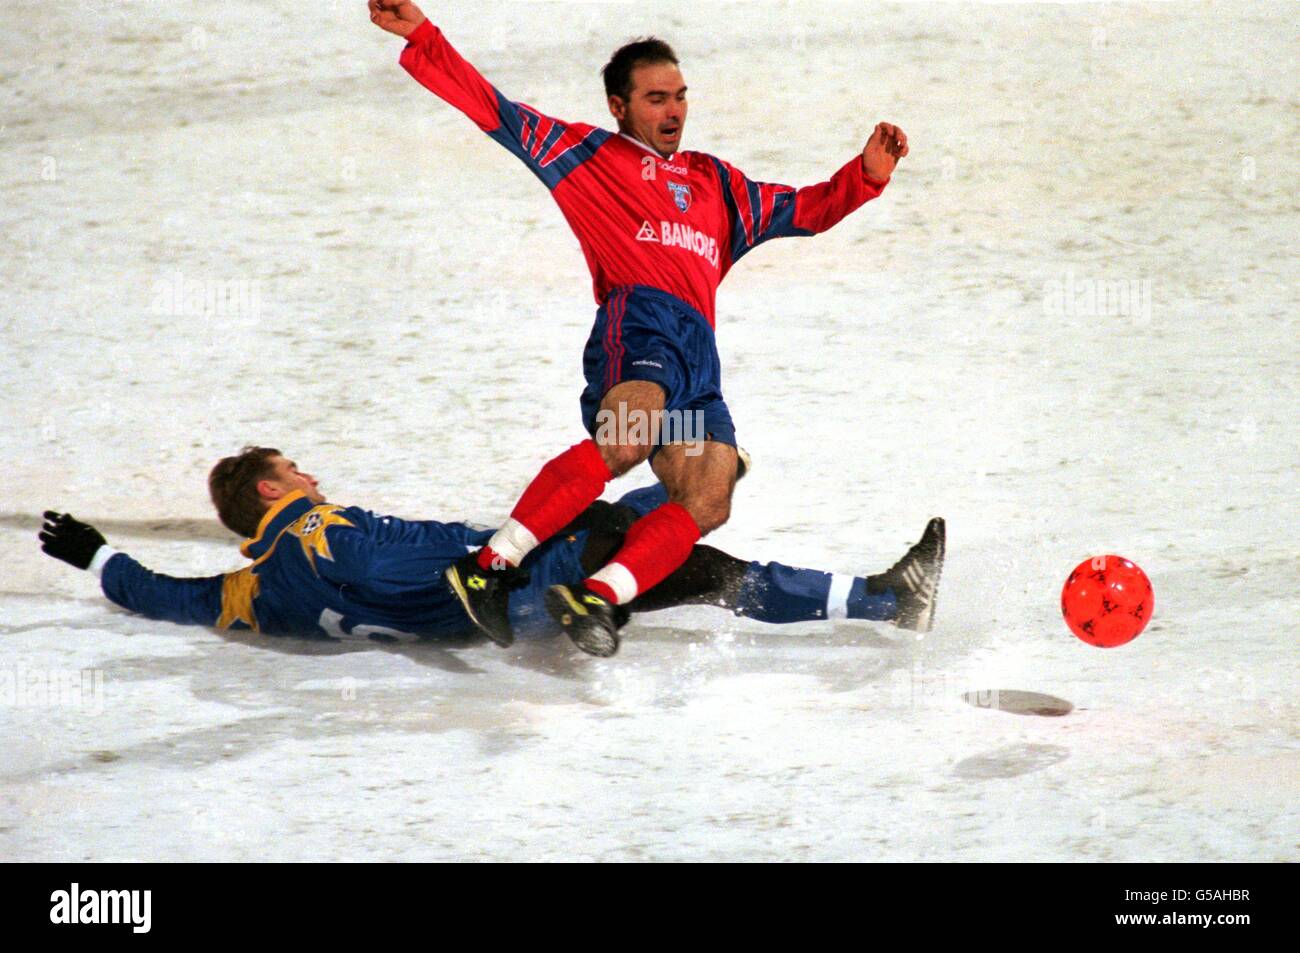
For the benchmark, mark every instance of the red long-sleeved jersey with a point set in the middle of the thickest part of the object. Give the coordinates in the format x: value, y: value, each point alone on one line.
x: 676, y: 224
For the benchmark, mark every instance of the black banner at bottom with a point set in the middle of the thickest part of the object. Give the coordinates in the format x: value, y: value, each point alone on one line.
x: 335, y: 902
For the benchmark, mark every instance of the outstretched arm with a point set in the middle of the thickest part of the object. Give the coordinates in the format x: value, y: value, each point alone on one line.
x: 436, y: 64
x: 759, y: 211
x: 550, y: 147
x: 224, y: 601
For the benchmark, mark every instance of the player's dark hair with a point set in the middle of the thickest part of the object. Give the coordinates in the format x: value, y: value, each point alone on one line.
x: 233, y: 486
x: 641, y: 52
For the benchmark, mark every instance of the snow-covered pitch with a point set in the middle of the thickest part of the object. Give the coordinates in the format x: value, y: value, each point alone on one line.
x: 1069, y: 326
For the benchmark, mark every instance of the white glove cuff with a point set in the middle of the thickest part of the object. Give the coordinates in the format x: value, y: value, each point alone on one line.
x: 102, y: 555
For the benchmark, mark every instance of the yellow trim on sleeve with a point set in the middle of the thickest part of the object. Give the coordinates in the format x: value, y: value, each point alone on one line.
x: 238, y: 590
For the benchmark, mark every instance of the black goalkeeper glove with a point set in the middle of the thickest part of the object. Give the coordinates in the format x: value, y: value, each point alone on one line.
x: 69, y: 539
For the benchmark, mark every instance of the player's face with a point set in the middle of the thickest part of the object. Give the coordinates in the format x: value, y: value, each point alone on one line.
x: 286, y: 478
x: 656, y: 113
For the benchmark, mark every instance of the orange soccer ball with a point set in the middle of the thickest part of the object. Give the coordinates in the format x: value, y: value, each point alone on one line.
x: 1107, y: 601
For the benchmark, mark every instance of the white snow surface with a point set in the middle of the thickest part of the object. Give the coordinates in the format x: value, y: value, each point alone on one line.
x: 412, y: 335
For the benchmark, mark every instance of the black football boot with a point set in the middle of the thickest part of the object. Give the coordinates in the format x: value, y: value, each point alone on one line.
x: 592, y: 621
x: 915, y: 579
x: 485, y: 594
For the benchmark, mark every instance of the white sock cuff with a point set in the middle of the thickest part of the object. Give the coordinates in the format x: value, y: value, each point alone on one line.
x: 837, y: 600
x: 513, y: 541
x: 619, y: 578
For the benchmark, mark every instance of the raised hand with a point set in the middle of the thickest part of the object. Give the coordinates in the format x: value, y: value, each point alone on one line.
x: 886, y: 146
x: 69, y: 539
x: 395, y: 16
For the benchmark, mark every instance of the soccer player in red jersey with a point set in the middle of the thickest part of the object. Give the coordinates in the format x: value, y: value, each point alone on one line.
x: 660, y: 228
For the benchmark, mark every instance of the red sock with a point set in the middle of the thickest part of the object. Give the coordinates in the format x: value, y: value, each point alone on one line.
x: 656, y: 544
x: 564, y: 488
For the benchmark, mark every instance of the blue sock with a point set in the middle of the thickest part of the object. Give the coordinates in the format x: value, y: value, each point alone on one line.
x: 772, y: 592
x: 878, y: 607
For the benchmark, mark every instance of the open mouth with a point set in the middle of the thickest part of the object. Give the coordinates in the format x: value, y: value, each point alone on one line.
x: 670, y: 132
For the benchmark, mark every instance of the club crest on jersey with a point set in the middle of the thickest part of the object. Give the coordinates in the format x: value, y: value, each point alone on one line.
x: 681, y: 195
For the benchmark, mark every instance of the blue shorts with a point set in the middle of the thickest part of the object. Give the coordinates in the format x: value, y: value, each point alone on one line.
x: 644, y: 334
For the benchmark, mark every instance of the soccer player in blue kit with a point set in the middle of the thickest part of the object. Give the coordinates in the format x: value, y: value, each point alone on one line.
x: 318, y: 568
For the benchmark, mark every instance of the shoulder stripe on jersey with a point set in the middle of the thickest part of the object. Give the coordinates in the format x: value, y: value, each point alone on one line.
x: 549, y: 147
x: 540, y: 128
x: 755, y: 207
x: 770, y: 194
x: 740, y: 196
x: 546, y: 142
x: 570, y: 139
x: 760, y: 210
